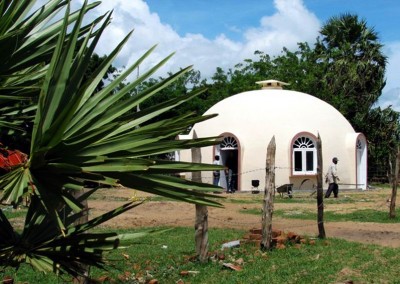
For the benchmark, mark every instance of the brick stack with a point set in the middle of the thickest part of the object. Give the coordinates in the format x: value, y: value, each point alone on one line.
x: 279, y: 238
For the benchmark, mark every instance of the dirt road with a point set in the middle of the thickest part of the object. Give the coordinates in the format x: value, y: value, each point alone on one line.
x: 169, y: 213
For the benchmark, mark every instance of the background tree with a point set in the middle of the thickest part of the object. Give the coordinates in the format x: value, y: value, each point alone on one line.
x: 187, y: 83
x: 383, y: 139
x: 354, y: 65
x: 352, y: 81
x: 94, y: 63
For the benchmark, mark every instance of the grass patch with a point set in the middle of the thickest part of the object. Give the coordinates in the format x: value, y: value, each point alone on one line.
x: 243, y: 201
x: 294, y: 200
x: 301, y: 198
x: 366, y: 215
x: 11, y: 213
x: 165, y: 256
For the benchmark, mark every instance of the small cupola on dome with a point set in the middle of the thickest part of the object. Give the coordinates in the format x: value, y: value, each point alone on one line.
x: 271, y: 84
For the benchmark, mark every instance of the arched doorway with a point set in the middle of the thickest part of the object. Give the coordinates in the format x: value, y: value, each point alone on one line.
x: 361, y: 162
x: 228, y: 150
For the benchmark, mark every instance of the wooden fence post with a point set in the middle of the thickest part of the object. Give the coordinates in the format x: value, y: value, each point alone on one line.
x: 268, y: 205
x: 392, y: 210
x: 320, y: 191
x: 201, y: 223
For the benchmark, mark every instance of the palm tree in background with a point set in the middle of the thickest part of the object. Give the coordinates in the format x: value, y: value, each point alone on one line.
x: 355, y: 66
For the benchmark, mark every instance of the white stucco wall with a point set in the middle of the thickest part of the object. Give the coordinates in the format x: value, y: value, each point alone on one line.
x: 254, y: 117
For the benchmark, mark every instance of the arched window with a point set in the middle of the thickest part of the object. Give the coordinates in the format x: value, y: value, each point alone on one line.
x: 229, y: 143
x: 304, y: 156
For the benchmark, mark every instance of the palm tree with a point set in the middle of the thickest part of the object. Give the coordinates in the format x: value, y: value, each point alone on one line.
x: 353, y: 81
x: 355, y: 66
x: 81, y: 134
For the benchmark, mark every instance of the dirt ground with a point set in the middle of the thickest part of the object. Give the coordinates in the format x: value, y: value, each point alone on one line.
x: 155, y: 213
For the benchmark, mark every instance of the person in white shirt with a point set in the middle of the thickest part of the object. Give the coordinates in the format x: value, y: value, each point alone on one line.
x: 332, y: 178
x: 216, y: 174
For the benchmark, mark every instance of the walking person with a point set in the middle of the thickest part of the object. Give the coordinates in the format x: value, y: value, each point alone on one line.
x: 216, y: 174
x: 332, y: 178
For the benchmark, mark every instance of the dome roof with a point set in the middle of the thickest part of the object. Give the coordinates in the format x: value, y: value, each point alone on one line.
x: 276, y: 110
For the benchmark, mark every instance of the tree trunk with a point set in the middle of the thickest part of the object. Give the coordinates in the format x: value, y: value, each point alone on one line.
x: 201, y: 223
x: 390, y: 175
x: 268, y: 205
x: 392, y: 210
x: 320, y: 191
x: 201, y: 233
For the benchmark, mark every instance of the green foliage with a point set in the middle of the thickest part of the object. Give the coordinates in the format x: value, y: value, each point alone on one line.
x: 23, y: 69
x: 383, y: 139
x: 42, y: 245
x: 354, y: 66
x: 79, y: 132
x: 366, y: 215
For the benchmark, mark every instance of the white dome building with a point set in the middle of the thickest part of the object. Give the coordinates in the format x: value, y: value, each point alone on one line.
x: 248, y: 121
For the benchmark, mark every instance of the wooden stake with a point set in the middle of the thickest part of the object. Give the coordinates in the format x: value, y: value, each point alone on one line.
x: 320, y: 191
x: 268, y: 205
x: 392, y: 208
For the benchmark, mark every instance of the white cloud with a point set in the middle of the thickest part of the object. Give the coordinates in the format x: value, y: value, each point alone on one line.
x: 291, y: 23
x: 391, y: 92
x: 392, y: 50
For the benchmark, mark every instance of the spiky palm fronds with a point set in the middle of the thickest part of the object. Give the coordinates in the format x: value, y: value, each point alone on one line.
x: 80, y: 134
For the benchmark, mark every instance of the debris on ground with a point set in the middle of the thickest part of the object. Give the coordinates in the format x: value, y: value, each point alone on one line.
x: 231, y: 244
x: 279, y: 238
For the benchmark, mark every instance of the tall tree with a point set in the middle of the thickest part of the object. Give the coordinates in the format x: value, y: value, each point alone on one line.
x: 354, y: 65
x: 383, y: 134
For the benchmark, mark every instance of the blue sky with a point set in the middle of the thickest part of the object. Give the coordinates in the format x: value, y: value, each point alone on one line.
x: 213, y: 17
x: 222, y: 33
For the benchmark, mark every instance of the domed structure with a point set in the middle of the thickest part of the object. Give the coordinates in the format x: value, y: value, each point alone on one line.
x: 248, y: 121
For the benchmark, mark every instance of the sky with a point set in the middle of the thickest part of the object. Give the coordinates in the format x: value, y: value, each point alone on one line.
x: 222, y: 33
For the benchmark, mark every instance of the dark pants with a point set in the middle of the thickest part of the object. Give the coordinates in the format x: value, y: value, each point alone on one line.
x: 332, y: 187
x: 216, y: 179
x: 231, y: 182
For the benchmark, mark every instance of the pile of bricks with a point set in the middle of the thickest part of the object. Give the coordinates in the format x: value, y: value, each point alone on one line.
x: 279, y: 238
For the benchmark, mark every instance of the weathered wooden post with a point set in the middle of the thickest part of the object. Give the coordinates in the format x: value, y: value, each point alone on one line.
x: 392, y: 208
x: 201, y: 223
x: 268, y: 205
x: 320, y: 191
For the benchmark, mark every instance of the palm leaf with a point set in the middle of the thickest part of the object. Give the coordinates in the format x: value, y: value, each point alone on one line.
x: 51, y: 251
x: 80, y: 135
